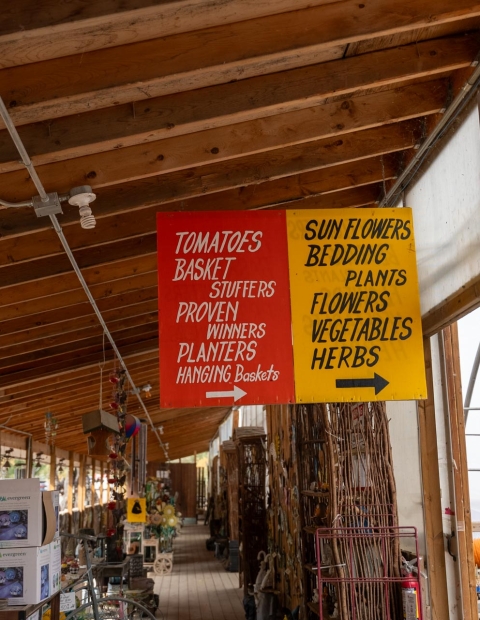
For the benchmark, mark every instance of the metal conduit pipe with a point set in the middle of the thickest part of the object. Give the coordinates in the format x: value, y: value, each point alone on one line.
x: 25, y: 203
x: 58, y: 229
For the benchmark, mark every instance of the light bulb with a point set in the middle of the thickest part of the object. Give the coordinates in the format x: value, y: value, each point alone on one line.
x: 81, y: 197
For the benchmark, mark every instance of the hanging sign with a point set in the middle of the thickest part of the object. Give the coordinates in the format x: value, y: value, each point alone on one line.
x: 224, y: 309
x: 355, y: 305
x: 136, y: 510
x: 236, y: 289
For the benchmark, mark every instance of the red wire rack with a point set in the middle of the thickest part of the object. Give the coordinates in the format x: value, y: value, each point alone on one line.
x: 361, y: 566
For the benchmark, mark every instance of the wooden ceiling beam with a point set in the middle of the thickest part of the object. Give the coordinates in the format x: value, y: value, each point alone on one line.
x: 162, y: 415
x: 181, y: 419
x: 281, y: 191
x: 195, y: 426
x: 68, y: 352
x: 97, y: 79
x: 68, y: 28
x: 174, y: 115
x: 83, y: 378
x: 77, y: 331
x: 306, y: 157
x: 76, y: 403
x: 176, y: 426
x: 123, y: 225
x: 69, y: 402
x: 69, y: 313
x: 88, y: 390
x: 121, y: 200
x: 364, y: 196
x: 71, y: 365
x: 225, y: 143
x: 60, y: 291
x: 89, y: 257
x: 183, y: 452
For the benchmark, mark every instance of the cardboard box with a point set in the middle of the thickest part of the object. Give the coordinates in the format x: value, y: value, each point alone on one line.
x: 29, y: 575
x: 28, y: 516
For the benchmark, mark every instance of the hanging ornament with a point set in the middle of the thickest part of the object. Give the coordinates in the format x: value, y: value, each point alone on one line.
x: 51, y: 426
x: 132, y: 425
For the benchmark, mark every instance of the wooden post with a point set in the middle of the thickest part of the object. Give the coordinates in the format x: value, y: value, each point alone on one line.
x: 81, y: 484
x: 100, y: 492
x: 71, y: 465
x: 463, y: 517
x: 92, y: 483
x: 29, y: 460
x: 431, y: 497
x: 53, y: 467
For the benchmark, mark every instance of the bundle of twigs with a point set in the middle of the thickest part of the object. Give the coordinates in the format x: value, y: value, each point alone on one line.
x: 362, y: 509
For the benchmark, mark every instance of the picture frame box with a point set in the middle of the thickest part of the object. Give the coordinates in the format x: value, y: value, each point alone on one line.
x: 29, y: 517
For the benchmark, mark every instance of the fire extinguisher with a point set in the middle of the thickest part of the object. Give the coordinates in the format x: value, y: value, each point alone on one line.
x: 410, y: 592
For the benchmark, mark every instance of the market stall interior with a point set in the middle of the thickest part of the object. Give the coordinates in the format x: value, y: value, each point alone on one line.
x: 115, y: 111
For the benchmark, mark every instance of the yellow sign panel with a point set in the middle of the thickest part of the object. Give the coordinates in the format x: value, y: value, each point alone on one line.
x: 357, y: 333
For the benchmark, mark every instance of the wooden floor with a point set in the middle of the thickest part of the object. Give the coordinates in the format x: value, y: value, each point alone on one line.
x: 199, y: 587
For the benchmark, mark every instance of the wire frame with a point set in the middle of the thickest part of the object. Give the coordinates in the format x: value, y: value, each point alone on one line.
x: 358, y: 572
x: 252, y: 504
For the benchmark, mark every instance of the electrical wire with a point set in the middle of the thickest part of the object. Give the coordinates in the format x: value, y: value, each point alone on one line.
x: 58, y: 229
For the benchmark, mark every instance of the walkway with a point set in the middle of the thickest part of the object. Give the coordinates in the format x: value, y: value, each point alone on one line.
x: 199, y: 587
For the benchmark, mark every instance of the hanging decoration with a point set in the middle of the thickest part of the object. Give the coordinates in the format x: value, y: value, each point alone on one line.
x: 132, y: 425
x: 118, y: 443
x: 6, y: 463
x: 51, y: 426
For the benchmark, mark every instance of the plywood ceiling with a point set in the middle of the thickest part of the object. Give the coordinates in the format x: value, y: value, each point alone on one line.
x: 189, y: 105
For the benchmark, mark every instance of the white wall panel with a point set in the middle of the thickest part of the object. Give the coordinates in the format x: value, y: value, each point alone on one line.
x: 406, y: 463
x: 446, y: 208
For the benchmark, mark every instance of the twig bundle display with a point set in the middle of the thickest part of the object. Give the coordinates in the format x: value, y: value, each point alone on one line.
x: 330, y: 467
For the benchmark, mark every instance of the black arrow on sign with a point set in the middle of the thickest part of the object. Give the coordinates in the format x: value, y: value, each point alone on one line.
x: 377, y: 382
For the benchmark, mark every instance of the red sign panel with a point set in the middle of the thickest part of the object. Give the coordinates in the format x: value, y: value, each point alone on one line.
x: 224, y: 309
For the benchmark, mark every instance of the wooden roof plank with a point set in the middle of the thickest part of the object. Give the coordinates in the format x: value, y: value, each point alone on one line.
x: 68, y: 365
x: 81, y: 376
x: 249, y: 138
x: 76, y: 330
x: 65, y: 290
x: 275, y: 43
x: 68, y: 313
x: 71, y: 351
x: 87, y: 390
x: 60, y: 264
x: 62, y: 29
x: 122, y: 225
x: 170, y: 116
x: 123, y: 200
x: 82, y: 396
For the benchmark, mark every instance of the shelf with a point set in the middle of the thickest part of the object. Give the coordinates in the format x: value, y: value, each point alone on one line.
x: 316, y: 493
x: 315, y: 607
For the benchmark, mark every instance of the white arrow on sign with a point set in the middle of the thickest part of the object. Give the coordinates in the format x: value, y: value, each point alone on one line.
x: 237, y: 393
